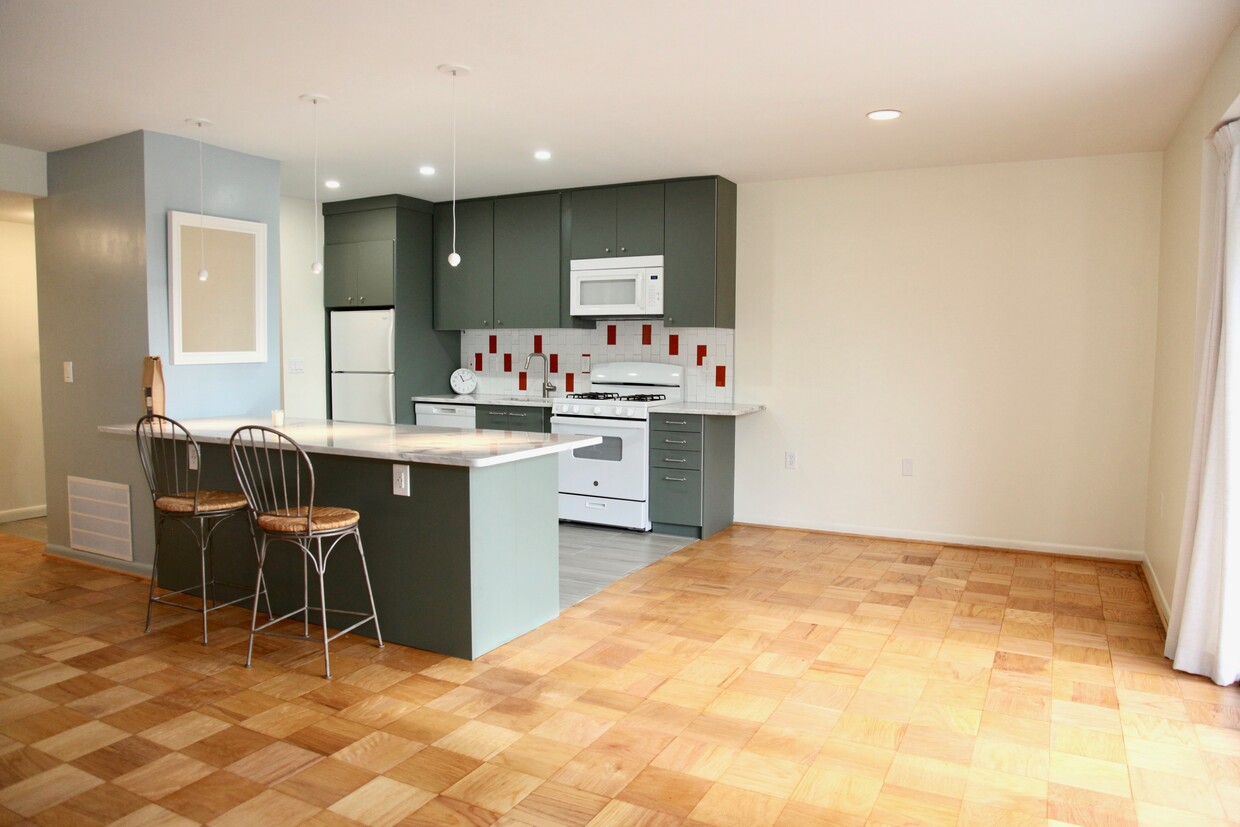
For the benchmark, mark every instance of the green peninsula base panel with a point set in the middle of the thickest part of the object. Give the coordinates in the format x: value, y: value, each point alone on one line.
x: 466, y: 563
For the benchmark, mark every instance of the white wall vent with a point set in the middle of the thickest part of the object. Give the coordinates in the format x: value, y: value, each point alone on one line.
x: 99, y: 518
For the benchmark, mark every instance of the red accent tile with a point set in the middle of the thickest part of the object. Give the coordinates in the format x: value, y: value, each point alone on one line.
x: 507, y: 363
x: 478, y: 362
x: 611, y: 334
x: 521, y: 381
x: 721, y: 378
x: 586, y: 357
x: 494, y: 344
x: 538, y: 343
x: 568, y: 383
x: 701, y: 354
x: 554, y: 367
x: 645, y: 334
x: 673, y: 344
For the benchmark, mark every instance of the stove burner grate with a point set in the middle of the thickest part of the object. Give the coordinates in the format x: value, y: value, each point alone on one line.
x: 644, y: 397
x: 594, y: 395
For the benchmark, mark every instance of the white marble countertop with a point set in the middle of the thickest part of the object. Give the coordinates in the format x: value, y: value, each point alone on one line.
x: 710, y: 408
x: 410, y: 443
x: 485, y: 399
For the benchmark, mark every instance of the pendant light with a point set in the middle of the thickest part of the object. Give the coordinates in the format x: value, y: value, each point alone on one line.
x: 202, y: 231
x: 454, y: 258
x: 316, y: 265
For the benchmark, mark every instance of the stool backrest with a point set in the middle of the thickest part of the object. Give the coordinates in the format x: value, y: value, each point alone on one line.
x: 274, y: 472
x: 165, y: 449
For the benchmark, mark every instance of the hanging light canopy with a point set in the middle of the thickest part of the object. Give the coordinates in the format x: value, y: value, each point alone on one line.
x: 454, y: 69
x: 202, y: 231
x: 314, y: 100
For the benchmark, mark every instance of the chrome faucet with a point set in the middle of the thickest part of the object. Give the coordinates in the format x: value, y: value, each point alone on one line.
x: 547, y: 387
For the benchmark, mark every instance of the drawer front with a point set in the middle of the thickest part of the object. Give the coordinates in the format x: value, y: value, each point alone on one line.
x: 512, y: 418
x: 675, y: 422
x: 676, y: 496
x: 675, y: 441
x: 686, y: 460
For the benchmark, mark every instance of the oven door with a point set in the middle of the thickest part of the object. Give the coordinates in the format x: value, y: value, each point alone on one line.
x: 615, y: 468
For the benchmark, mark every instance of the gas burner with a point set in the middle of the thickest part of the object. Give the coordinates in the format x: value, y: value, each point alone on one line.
x: 644, y: 397
x: 594, y: 395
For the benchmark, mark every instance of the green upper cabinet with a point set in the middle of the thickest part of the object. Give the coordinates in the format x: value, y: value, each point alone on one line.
x: 465, y: 294
x: 359, y: 273
x: 617, y: 221
x: 527, y: 261
x: 699, y: 263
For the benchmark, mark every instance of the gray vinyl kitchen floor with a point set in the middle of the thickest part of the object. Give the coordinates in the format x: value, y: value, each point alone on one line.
x: 591, y: 557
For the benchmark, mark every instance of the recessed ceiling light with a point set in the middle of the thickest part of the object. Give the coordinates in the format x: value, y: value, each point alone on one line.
x: 884, y: 114
x: 332, y: 184
x: 426, y: 169
x: 543, y: 155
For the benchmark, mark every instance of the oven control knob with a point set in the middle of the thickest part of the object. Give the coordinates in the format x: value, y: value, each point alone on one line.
x: 576, y: 409
x: 597, y: 410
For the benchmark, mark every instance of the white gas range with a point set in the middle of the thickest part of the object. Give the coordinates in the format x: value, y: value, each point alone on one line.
x: 609, y: 483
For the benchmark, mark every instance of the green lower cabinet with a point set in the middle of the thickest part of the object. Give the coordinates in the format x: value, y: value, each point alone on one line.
x: 527, y: 418
x: 692, y: 465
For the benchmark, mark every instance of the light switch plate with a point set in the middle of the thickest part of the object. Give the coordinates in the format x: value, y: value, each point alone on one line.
x: 400, y: 480
x: 296, y: 364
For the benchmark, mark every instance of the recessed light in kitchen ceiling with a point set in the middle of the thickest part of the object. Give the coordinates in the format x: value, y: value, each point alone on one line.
x: 543, y: 155
x: 426, y: 170
x: 884, y: 114
x: 332, y: 184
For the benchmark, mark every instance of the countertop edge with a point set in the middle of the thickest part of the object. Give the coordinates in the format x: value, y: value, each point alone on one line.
x: 483, y: 399
x: 710, y: 408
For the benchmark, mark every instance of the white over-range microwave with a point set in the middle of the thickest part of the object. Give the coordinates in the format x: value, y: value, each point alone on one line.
x: 608, y: 288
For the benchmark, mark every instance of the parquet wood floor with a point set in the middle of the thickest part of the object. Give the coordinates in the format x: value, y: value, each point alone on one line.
x: 764, y: 677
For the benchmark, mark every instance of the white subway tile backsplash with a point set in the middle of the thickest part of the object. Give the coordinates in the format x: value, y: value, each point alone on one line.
x: 712, y: 381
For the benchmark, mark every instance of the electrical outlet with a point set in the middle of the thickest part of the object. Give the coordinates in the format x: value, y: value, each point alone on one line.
x: 790, y: 460
x: 906, y: 467
x: 68, y: 366
x: 400, y: 480
x: 191, y: 457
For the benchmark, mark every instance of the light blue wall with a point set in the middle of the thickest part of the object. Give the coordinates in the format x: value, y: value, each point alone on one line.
x: 235, y: 185
x: 101, y: 247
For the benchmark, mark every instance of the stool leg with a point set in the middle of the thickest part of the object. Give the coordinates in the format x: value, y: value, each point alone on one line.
x: 150, y: 598
x: 261, y: 583
x: 319, y: 566
x: 202, y: 566
x: 305, y: 591
x: 262, y: 555
x: 357, y: 535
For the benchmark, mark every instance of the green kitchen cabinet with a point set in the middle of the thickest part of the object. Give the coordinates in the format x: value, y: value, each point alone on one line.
x: 699, y: 263
x: 465, y: 294
x: 624, y: 220
x: 692, y: 464
x: 359, y: 274
x: 527, y: 261
x: 529, y: 418
x: 377, y: 253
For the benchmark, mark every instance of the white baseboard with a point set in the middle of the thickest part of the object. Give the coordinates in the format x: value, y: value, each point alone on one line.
x: 12, y: 515
x: 1066, y: 550
x: 1160, y: 599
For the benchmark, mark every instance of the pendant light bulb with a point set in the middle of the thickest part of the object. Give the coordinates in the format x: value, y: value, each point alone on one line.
x: 316, y: 264
x: 454, y: 258
x: 202, y: 274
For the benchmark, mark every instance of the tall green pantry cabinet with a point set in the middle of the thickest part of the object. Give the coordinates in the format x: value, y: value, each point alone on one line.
x: 377, y: 253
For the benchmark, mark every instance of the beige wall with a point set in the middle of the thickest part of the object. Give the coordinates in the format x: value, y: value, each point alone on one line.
x: 994, y: 324
x: 22, y: 492
x: 301, y: 311
x: 1184, y: 161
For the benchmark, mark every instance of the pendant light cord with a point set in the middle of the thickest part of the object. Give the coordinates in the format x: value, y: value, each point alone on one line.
x: 202, y: 212
x: 453, y: 161
x: 315, y: 182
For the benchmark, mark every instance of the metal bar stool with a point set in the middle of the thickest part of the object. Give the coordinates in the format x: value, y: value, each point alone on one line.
x: 278, y: 481
x: 172, y: 463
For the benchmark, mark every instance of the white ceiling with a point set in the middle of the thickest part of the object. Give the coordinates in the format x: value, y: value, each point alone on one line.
x: 618, y: 89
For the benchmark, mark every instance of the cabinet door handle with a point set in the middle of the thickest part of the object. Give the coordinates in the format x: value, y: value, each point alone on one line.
x: 606, y: 249
x: 498, y: 323
x: 622, y: 249
x: 673, y: 459
x: 673, y: 422
x: 675, y: 479
x: 497, y: 413
x: 350, y: 300
x: 676, y: 441
x: 517, y: 414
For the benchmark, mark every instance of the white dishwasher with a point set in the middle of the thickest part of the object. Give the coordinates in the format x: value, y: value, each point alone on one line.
x: 443, y: 415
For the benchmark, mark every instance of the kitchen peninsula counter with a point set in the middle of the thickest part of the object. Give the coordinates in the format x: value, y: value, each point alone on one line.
x: 466, y: 562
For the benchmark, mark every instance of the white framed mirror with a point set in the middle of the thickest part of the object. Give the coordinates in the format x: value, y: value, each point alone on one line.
x: 221, y: 318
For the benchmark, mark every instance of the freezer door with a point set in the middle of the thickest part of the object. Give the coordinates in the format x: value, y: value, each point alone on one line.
x: 364, y: 397
x: 363, y: 341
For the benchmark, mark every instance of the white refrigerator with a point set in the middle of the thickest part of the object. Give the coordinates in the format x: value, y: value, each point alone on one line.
x: 363, y: 360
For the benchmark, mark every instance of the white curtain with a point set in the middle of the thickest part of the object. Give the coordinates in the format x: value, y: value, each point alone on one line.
x: 1204, y: 633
